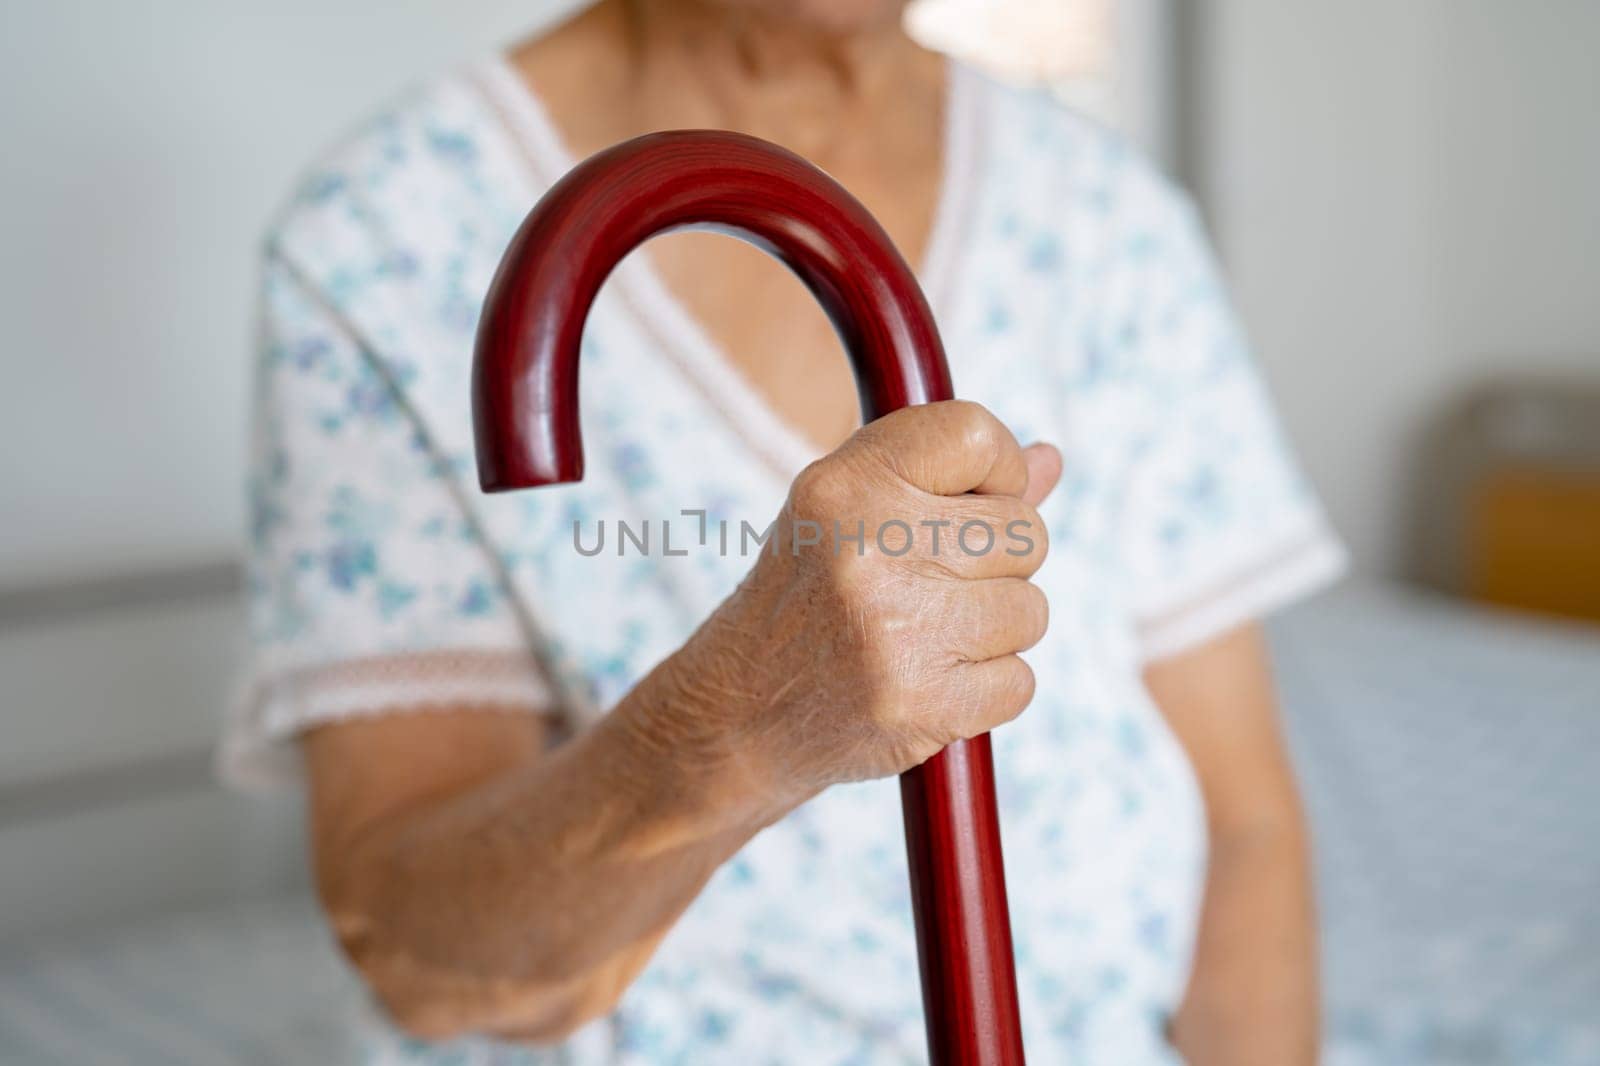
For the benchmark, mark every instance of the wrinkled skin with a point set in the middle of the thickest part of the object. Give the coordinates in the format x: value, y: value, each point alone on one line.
x: 830, y: 665
x: 498, y: 890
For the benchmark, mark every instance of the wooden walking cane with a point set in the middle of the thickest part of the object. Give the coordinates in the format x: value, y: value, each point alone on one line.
x: 525, y: 411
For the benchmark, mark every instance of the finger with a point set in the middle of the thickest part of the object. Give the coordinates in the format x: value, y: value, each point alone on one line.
x: 1001, y: 616
x: 978, y: 537
x: 947, y: 448
x: 1001, y: 689
x: 1044, y: 471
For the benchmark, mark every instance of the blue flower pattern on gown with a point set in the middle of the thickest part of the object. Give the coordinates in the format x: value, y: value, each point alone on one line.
x: 1086, y: 310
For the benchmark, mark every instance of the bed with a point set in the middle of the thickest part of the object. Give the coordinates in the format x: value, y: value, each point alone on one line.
x: 1448, y: 757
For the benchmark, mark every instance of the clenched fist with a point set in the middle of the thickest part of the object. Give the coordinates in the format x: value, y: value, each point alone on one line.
x: 883, y: 619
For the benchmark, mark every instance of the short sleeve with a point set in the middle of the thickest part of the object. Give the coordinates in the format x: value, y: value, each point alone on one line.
x: 1221, y: 524
x: 370, y: 588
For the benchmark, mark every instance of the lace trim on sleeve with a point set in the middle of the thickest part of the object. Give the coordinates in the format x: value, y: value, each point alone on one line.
x: 1297, y: 568
x: 273, y: 709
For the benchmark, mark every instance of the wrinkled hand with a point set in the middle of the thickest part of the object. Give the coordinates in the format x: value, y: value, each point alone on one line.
x: 843, y: 659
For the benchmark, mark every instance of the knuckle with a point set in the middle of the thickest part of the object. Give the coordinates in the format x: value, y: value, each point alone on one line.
x: 976, y: 427
x: 855, y: 573
x: 819, y: 489
x: 1036, y: 614
x: 1026, y: 535
x: 975, y: 532
x: 939, y: 559
x: 1041, y: 549
x: 1017, y: 687
x: 887, y: 632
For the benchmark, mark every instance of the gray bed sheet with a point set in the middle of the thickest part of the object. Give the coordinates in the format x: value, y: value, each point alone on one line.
x: 1450, y: 759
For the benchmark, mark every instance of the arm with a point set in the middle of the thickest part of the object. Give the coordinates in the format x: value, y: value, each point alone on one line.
x: 1252, y: 997
x: 442, y: 839
x: 481, y: 883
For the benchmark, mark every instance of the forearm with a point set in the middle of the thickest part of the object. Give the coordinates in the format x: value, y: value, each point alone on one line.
x: 1252, y: 997
x: 484, y: 884
x: 528, y: 902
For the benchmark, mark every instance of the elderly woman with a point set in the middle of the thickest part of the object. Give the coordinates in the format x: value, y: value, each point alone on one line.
x: 638, y: 807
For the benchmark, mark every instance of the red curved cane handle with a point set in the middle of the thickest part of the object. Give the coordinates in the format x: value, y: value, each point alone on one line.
x: 525, y: 412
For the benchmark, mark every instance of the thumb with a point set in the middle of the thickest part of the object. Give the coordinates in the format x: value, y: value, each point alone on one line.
x: 1044, y: 471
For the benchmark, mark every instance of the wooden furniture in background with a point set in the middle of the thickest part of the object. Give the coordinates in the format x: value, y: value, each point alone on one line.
x: 1535, y: 540
x: 1532, y: 503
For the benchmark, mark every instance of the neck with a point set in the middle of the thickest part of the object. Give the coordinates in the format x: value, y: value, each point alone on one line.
x: 694, y: 63
x: 760, y: 47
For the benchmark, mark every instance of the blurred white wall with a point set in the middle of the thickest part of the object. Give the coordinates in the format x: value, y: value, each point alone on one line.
x: 1408, y: 199
x: 145, y: 146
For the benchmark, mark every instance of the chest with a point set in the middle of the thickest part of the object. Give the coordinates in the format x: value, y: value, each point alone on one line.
x: 672, y: 433
x: 764, y: 324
